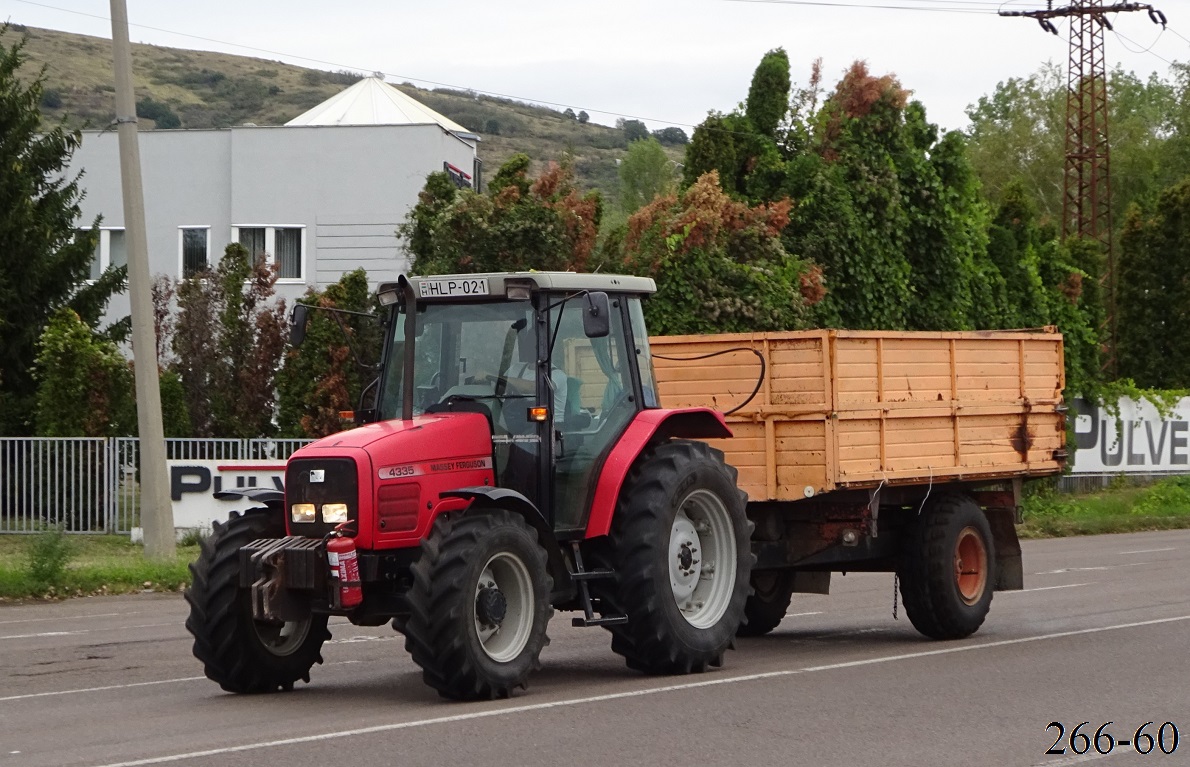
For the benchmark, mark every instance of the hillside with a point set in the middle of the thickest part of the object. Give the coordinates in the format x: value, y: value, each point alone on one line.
x: 202, y: 89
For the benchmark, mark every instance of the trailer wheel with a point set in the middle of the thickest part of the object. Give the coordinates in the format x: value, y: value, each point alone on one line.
x: 948, y: 569
x: 242, y: 654
x: 772, y: 591
x: 680, y: 548
x: 479, y: 605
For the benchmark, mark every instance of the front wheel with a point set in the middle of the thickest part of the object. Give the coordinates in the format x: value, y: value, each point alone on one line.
x: 239, y: 652
x: 479, y: 605
x: 679, y: 546
x: 948, y: 568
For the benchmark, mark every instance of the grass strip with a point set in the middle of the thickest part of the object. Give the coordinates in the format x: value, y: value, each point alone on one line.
x: 1164, y: 505
x: 52, y: 565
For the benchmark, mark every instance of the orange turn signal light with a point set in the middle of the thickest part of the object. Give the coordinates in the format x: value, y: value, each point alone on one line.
x: 347, y: 415
x: 539, y: 414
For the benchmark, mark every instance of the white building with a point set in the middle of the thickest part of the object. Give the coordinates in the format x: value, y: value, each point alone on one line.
x: 321, y: 195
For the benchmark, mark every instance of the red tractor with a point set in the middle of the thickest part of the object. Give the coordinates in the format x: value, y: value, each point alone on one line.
x: 516, y: 462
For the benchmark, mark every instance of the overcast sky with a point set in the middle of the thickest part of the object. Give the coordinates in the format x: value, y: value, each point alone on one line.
x: 666, y: 61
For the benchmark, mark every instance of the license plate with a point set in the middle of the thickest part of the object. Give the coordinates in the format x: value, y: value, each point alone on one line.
x: 471, y: 286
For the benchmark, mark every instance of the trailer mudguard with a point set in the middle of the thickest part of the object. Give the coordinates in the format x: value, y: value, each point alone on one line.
x: 648, y: 426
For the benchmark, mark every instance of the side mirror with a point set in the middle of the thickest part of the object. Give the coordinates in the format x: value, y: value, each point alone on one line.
x: 297, y: 324
x: 597, y: 316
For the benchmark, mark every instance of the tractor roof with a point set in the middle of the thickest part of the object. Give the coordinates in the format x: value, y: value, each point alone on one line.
x: 495, y: 284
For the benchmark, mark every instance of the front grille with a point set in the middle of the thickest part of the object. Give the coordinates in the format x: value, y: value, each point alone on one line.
x: 339, y: 485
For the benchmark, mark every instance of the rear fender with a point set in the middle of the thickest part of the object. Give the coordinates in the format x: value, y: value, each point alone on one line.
x: 511, y: 500
x: 648, y: 426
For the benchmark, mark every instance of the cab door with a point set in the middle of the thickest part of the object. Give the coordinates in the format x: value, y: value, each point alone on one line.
x: 593, y: 399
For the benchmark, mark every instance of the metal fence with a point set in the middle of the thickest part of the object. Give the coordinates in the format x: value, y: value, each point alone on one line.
x: 1090, y: 483
x: 90, y: 485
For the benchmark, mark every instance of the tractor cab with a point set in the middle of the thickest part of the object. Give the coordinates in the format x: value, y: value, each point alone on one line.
x: 558, y: 363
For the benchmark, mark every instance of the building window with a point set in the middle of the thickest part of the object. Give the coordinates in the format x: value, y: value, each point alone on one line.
x: 111, y: 250
x: 195, y: 250
x: 284, y: 246
x: 289, y: 252
x: 252, y: 238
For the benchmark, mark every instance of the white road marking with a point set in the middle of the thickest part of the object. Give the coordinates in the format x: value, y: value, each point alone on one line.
x: 1097, y: 567
x: 43, y: 634
x: 1047, y: 588
x: 66, y: 618
x: 509, y: 710
x: 101, y: 689
x: 1079, y: 759
x: 87, y: 631
x: 1147, y: 551
x: 799, y: 615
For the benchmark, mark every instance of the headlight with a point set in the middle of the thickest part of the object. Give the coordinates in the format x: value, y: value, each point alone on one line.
x: 302, y: 512
x: 334, y: 513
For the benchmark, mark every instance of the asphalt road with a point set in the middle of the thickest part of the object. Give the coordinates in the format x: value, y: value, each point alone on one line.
x: 1101, y: 633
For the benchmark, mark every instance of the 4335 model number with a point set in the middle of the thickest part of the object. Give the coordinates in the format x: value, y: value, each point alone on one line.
x: 1149, y: 737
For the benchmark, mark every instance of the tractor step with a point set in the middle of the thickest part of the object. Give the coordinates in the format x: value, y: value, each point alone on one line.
x: 614, y: 620
x: 591, y: 575
x: 582, y: 578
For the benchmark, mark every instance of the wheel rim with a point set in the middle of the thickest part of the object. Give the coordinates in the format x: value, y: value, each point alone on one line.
x: 970, y: 565
x: 282, y: 639
x: 702, y: 566
x: 503, y: 610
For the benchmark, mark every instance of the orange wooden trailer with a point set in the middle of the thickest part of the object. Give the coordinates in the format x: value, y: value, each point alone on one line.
x: 858, y: 448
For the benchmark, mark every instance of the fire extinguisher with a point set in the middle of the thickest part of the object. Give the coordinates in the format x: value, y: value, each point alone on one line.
x: 340, y: 553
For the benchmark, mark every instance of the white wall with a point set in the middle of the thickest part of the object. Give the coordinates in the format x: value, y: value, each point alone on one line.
x: 349, y: 186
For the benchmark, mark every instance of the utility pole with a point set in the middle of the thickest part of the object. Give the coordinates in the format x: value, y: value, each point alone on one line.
x: 156, y: 511
x: 1086, y: 200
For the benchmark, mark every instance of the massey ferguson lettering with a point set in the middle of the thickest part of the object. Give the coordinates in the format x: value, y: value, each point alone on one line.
x: 421, y: 469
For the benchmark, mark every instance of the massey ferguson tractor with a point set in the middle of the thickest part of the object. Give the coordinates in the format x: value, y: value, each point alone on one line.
x: 517, y: 460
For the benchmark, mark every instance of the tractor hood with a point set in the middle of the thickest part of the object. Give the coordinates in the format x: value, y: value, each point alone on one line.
x: 385, y: 472
x: 436, y: 437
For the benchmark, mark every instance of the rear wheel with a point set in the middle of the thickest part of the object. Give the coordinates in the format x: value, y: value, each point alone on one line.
x: 479, y: 605
x: 679, y: 546
x: 772, y: 591
x: 239, y: 652
x: 948, y: 569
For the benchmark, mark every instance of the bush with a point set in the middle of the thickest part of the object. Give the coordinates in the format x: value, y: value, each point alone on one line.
x: 1164, y: 498
x: 671, y: 136
x: 158, y: 112
x: 49, y: 552
x: 51, y: 98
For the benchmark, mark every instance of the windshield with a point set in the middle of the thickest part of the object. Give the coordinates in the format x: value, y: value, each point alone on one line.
x: 483, y: 351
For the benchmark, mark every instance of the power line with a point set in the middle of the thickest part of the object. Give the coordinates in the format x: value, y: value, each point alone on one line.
x: 991, y: 7
x: 393, y: 75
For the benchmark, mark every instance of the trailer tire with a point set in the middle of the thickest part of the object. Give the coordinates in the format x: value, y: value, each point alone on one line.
x: 772, y: 591
x: 479, y: 573
x: 241, y: 654
x: 947, y: 571
x: 678, y: 506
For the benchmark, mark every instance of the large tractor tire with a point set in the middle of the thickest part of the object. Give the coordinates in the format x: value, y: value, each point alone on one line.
x: 680, y: 548
x: 479, y: 605
x: 241, y: 653
x: 772, y: 591
x: 948, y: 566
